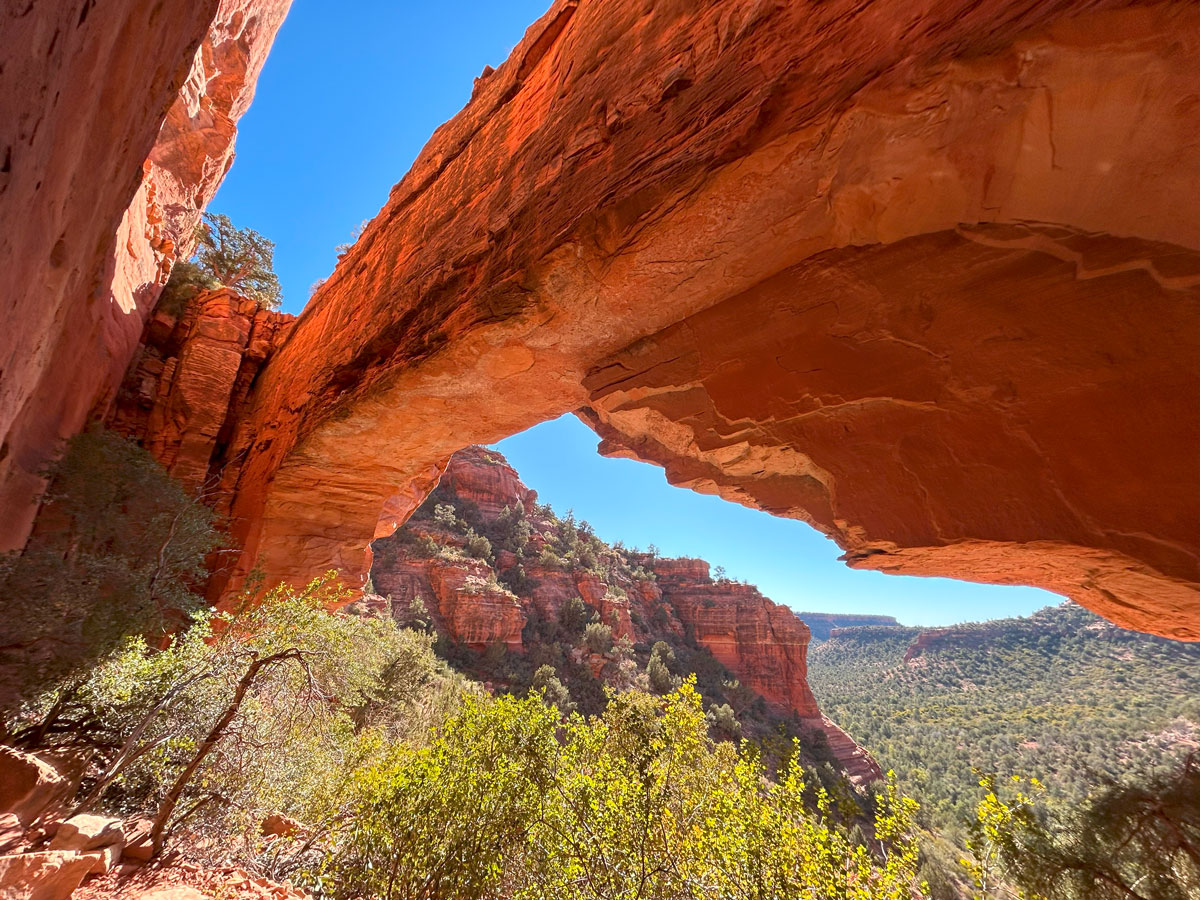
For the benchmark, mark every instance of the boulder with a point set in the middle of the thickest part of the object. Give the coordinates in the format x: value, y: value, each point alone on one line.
x: 280, y: 826
x: 103, y: 860
x: 29, y: 786
x: 42, y: 876
x: 88, y: 832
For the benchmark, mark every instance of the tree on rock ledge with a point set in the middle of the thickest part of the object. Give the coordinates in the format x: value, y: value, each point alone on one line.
x: 240, y: 259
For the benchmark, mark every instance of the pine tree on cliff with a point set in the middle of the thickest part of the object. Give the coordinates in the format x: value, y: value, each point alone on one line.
x: 237, y: 258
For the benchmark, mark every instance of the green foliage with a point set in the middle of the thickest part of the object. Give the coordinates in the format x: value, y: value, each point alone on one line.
x: 479, y: 547
x: 238, y: 258
x: 639, y: 803
x: 598, y: 637
x: 1129, y: 841
x: 573, y: 616
x: 442, y: 820
x: 445, y: 515
x: 1063, y: 696
x: 344, y: 688
x: 661, y: 679
x: 188, y: 279
x: 121, y: 550
x: 722, y: 718
x: 553, y: 691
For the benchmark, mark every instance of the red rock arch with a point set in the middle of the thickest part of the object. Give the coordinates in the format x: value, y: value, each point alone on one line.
x: 961, y: 240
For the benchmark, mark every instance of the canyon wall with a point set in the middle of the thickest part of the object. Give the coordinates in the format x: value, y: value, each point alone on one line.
x: 189, y: 381
x: 762, y: 643
x: 517, y: 597
x: 118, y: 125
x: 923, y: 275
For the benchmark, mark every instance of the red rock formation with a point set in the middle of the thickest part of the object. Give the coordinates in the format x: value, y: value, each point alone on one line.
x: 118, y: 125
x: 478, y: 613
x: 760, y: 642
x: 485, y: 478
x: 459, y: 594
x: 764, y: 645
x: 860, y: 767
x: 787, y: 252
x: 190, y: 380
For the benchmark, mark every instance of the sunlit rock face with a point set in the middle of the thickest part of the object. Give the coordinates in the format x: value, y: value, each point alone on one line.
x: 996, y: 415
x: 118, y: 121
x: 761, y: 642
x: 190, y: 379
x: 422, y: 573
x: 921, y: 274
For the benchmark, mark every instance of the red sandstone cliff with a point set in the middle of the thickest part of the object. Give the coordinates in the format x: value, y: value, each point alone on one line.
x: 426, y: 569
x: 117, y: 124
x: 921, y: 274
x: 190, y: 377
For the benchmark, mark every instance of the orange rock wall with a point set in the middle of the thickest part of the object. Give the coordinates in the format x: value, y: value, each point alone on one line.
x: 190, y: 379
x: 764, y: 644
x: 875, y: 397
x: 117, y: 122
x: 755, y: 170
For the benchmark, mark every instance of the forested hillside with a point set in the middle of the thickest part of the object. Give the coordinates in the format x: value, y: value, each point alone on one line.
x: 1062, y: 696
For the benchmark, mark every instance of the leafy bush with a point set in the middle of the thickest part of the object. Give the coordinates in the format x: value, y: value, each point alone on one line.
x: 638, y: 803
x: 479, y: 547
x: 661, y: 679
x: 266, y: 710
x: 724, y: 720
x: 445, y: 515
x: 1128, y: 841
x: 553, y: 691
x: 121, y: 550
x: 598, y: 637
x: 187, y: 281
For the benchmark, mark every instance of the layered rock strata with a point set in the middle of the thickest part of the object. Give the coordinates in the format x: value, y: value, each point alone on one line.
x: 190, y: 379
x: 117, y: 123
x: 924, y: 276
x: 423, y: 573
x: 762, y: 643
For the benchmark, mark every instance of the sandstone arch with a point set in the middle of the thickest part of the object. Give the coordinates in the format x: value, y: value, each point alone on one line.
x: 686, y: 222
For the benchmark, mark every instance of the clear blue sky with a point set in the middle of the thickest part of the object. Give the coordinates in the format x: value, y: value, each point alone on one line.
x: 349, y: 95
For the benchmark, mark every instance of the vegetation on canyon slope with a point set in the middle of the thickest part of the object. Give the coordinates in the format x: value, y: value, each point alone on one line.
x: 402, y: 778
x: 406, y: 782
x: 573, y: 656
x: 1091, y: 711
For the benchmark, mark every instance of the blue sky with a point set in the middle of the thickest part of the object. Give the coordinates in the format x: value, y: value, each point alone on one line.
x: 349, y: 95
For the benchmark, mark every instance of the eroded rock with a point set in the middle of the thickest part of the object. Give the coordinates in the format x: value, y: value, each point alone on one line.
x: 883, y: 268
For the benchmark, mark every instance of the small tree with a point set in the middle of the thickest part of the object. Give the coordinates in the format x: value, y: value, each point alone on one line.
x: 661, y: 679
x: 598, y: 637
x: 125, y: 553
x: 238, y: 258
x: 723, y: 719
x: 554, y: 692
x: 445, y: 515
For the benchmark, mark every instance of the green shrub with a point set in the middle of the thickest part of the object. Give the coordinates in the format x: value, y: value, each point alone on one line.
x: 508, y: 802
x: 187, y: 281
x: 122, y: 550
x: 553, y: 691
x: 479, y: 547
x: 269, y: 712
x: 597, y: 637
